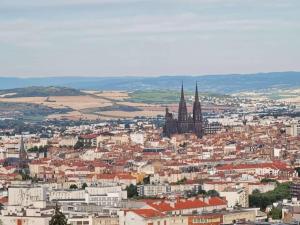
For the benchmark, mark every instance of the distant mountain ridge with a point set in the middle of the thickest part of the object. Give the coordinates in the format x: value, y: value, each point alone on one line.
x: 230, y: 83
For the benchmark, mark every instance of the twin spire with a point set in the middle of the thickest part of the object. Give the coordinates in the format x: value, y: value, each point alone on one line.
x: 196, y: 93
x: 185, y: 123
x: 182, y: 110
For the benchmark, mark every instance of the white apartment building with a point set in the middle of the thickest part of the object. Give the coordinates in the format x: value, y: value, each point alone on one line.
x: 18, y: 215
x: 137, y: 138
x: 236, y: 197
x: 25, y: 196
x: 68, y: 141
x: 293, y: 129
x: 103, y: 196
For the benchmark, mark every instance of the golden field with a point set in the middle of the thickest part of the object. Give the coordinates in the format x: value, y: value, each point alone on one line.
x: 74, y: 102
x: 92, y: 100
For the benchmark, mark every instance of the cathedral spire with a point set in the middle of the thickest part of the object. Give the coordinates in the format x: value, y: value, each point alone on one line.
x: 197, y: 114
x: 182, y: 92
x: 182, y: 110
x: 196, y: 94
x: 22, y: 151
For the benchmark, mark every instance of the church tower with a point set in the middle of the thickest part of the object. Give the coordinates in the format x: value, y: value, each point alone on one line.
x: 22, y: 151
x: 182, y: 114
x: 197, y: 115
x: 185, y: 123
x: 23, y: 158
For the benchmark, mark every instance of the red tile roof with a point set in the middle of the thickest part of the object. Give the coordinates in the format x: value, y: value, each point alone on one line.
x: 214, y: 201
x: 161, y: 206
x: 148, y: 213
x: 180, y: 204
x: 274, y: 165
x: 189, y: 204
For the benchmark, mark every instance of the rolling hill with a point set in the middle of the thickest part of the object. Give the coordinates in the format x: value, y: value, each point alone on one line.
x: 35, y: 91
x: 231, y: 83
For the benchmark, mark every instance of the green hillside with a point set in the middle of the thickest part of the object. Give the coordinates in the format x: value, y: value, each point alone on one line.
x: 37, y: 91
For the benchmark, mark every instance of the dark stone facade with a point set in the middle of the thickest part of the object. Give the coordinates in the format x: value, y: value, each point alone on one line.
x: 185, y: 123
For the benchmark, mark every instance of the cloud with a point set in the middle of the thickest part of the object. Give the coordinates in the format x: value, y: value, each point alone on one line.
x: 149, y: 35
x: 17, y: 4
x: 24, y: 31
x: 60, y: 3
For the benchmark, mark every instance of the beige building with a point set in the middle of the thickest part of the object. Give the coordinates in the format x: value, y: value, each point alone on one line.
x: 236, y: 197
x: 16, y: 215
x: 25, y: 196
x: 143, y: 217
x: 92, y: 220
x: 234, y: 216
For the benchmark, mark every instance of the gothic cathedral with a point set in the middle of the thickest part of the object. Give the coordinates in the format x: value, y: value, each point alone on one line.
x: 185, y: 122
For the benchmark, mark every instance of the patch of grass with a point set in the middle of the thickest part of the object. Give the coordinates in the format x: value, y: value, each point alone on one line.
x: 165, y: 96
x: 154, y: 96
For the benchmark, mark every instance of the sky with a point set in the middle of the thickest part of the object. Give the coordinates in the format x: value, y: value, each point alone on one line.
x: 148, y: 37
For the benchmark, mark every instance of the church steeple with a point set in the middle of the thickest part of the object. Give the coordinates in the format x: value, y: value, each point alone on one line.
x: 22, y: 151
x: 182, y: 109
x: 197, y: 112
x: 196, y: 94
x: 23, y: 158
x: 182, y: 93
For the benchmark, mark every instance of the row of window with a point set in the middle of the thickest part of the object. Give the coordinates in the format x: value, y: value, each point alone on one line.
x: 206, y: 220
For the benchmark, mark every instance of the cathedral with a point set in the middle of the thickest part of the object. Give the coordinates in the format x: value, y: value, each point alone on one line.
x: 185, y: 123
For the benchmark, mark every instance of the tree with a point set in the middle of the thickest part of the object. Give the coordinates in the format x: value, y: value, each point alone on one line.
x: 183, y: 145
x: 201, y: 192
x: 182, y: 181
x: 213, y: 193
x: 191, y: 193
x: 73, y: 186
x: 58, y: 218
x: 146, y: 180
x: 84, y: 185
x: 33, y: 149
x: 262, y: 200
x: 276, y: 213
x: 298, y: 171
x: 24, y: 175
x: 78, y: 145
x: 5, y: 163
x: 255, y: 191
x: 131, y: 191
x: 268, y: 180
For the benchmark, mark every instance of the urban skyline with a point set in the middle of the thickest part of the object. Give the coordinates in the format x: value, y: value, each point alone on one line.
x: 149, y: 112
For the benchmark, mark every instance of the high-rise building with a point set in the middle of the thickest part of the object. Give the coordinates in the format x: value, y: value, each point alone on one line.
x: 185, y: 123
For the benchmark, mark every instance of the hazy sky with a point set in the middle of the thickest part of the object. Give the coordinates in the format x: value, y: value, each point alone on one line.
x: 148, y: 37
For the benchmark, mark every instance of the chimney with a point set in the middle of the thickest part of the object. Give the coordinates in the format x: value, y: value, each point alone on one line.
x: 172, y: 204
x: 206, y: 200
x: 192, y: 198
